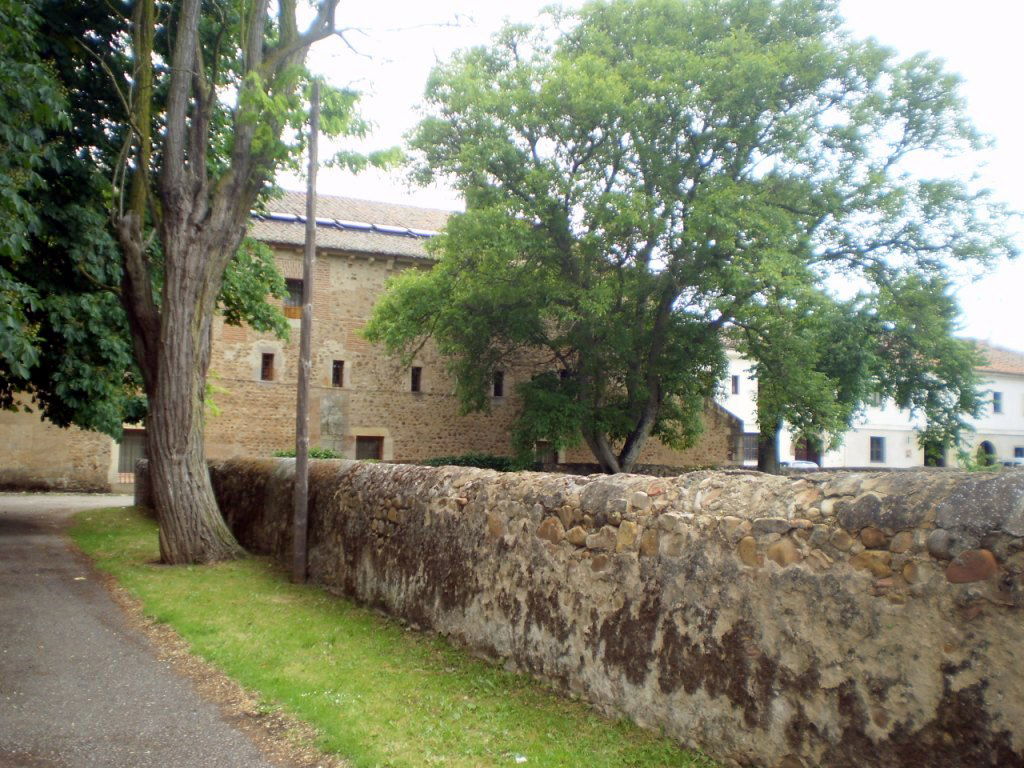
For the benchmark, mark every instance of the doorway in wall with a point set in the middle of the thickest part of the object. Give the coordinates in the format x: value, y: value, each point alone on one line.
x: 803, y: 450
x: 934, y: 454
x: 131, y: 448
x: 369, y: 447
x: 545, y: 454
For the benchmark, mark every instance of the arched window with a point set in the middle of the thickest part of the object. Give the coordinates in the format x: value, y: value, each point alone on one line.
x: 986, y: 454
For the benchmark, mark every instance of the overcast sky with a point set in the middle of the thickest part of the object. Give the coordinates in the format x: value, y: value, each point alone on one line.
x: 399, y: 41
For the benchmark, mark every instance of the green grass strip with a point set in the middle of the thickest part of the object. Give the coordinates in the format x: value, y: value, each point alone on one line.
x: 376, y: 693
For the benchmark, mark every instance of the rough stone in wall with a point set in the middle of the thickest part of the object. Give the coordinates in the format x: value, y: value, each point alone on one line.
x: 832, y: 619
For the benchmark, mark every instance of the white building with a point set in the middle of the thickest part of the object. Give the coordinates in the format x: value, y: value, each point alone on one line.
x: 886, y: 436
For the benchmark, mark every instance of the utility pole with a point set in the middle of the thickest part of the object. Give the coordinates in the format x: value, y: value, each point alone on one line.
x: 301, y: 516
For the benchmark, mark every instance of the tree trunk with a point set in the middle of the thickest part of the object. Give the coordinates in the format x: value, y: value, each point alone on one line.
x: 768, y: 451
x: 192, y: 529
x: 630, y: 453
x: 603, y: 452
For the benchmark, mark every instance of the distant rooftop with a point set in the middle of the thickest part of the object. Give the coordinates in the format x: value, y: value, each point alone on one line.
x: 1000, y: 359
x: 348, y: 224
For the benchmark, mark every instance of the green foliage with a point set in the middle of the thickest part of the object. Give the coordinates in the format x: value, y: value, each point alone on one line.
x: 315, y: 452
x: 979, y: 461
x: 482, y: 461
x: 924, y: 368
x: 31, y: 103
x: 643, y: 174
x: 250, y: 279
x: 819, y: 361
x: 811, y: 366
x: 376, y: 693
x: 83, y: 371
x: 211, y: 390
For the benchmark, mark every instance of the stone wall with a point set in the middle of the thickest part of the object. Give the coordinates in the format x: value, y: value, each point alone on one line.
x: 36, y: 455
x: 833, y: 619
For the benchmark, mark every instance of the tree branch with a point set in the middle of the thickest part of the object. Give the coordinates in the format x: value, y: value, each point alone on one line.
x: 182, y: 63
x: 320, y: 28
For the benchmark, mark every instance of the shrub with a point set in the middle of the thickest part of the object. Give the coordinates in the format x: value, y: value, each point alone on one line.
x: 314, y: 453
x: 481, y: 461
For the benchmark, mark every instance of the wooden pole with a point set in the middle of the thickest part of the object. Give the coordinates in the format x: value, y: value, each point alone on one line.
x: 301, y: 516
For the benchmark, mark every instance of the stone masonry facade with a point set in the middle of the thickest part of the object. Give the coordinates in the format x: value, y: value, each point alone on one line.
x: 374, y: 399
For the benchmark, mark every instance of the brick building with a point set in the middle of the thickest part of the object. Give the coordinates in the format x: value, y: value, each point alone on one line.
x: 362, y: 403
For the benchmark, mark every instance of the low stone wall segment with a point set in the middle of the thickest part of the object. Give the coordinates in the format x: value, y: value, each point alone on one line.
x: 36, y: 455
x: 833, y: 619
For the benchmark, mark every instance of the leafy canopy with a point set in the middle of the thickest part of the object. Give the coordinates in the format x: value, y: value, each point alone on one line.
x: 31, y: 103
x: 70, y: 97
x: 642, y: 174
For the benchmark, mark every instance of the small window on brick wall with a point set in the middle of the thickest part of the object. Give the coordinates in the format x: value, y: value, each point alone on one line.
x: 338, y: 373
x: 416, y: 380
x: 267, y: 366
x: 369, y: 447
x: 293, y: 302
x: 499, y: 384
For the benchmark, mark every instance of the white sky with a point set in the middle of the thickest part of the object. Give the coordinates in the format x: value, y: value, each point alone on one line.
x: 399, y: 41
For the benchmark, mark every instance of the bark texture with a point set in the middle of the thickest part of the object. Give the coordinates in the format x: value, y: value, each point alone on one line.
x: 192, y: 529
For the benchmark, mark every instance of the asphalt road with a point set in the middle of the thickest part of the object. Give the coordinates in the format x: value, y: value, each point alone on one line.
x: 78, y: 687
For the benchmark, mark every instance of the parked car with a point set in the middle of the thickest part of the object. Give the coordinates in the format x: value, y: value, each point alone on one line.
x: 799, y: 464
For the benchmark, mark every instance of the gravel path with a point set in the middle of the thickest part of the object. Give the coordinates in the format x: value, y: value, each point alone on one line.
x: 78, y: 686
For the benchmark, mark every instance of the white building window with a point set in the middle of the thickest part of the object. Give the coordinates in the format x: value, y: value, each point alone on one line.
x: 735, y: 385
x: 877, y: 450
x: 997, y: 402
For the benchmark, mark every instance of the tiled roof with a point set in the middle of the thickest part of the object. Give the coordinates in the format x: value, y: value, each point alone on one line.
x: 347, y: 224
x: 1000, y: 359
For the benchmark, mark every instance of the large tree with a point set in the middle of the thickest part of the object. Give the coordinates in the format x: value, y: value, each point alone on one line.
x: 641, y: 174
x: 214, y: 99
x: 181, y: 114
